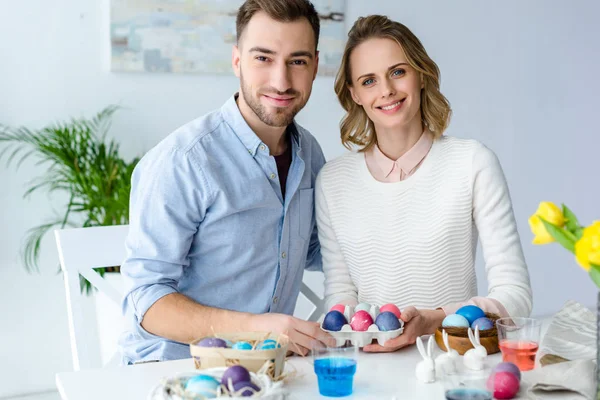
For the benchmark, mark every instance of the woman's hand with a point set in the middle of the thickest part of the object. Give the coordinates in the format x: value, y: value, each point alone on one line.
x: 416, y: 323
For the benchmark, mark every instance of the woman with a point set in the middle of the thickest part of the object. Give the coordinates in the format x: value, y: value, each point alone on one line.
x: 399, y: 219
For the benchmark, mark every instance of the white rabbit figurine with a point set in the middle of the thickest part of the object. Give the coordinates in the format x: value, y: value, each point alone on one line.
x: 446, y: 362
x: 474, y: 358
x: 425, y: 371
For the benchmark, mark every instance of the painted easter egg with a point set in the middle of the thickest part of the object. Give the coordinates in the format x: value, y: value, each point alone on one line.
x: 334, y: 320
x: 362, y: 307
x: 245, y: 389
x: 391, y: 308
x: 456, y: 321
x: 338, y: 307
x: 504, y: 384
x: 508, y: 367
x: 212, y: 342
x: 268, y: 344
x: 471, y: 313
x: 361, y: 321
x: 484, y: 323
x: 203, y: 385
x: 235, y: 373
x: 387, y: 321
x: 242, y: 346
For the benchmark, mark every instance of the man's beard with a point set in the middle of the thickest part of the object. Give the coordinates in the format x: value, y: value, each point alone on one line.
x: 281, y: 116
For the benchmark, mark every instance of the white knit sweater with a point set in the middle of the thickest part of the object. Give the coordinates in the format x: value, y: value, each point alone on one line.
x: 413, y: 242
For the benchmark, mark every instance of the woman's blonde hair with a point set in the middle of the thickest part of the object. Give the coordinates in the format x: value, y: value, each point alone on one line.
x: 356, y: 127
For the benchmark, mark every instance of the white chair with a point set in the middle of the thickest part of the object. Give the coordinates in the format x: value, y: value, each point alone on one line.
x: 80, y: 251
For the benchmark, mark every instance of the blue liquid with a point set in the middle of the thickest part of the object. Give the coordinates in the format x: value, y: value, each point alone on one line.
x: 468, y: 394
x: 335, y: 375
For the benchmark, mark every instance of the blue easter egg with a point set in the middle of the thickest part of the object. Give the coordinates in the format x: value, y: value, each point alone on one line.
x: 333, y: 321
x: 387, y: 321
x: 471, y: 313
x: 242, y: 346
x: 203, y: 385
x: 455, y: 320
x: 483, y: 323
x: 268, y: 344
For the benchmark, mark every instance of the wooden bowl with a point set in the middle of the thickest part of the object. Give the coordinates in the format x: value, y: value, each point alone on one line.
x: 458, y: 338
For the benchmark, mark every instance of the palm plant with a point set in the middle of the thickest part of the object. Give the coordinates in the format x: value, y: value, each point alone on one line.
x: 80, y: 162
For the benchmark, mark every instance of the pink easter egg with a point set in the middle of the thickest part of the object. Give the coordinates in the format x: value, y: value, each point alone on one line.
x: 338, y: 307
x: 361, y: 321
x: 391, y: 308
x: 504, y: 384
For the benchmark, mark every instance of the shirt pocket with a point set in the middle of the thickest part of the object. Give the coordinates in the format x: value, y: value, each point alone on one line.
x: 306, y: 213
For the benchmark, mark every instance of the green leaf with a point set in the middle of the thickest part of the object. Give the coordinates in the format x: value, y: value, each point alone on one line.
x: 565, y: 238
x: 595, y: 274
x: 572, y: 223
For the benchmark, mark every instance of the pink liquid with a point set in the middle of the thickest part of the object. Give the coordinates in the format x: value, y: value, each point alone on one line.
x: 520, y: 353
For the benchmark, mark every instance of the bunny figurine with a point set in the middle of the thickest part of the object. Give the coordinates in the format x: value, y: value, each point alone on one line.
x: 474, y: 358
x: 446, y: 362
x: 425, y: 371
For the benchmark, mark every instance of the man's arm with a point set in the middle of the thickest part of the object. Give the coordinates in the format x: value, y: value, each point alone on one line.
x: 179, y: 318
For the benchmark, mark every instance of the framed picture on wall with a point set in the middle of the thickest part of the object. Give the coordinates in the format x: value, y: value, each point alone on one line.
x: 177, y: 36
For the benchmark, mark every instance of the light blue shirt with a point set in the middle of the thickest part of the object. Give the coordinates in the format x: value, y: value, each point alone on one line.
x: 207, y: 220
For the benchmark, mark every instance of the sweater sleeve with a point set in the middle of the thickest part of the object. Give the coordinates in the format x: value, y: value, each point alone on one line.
x: 507, y: 274
x: 339, y: 288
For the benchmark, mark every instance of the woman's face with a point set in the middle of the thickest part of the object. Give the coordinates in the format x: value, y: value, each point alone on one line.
x: 385, y: 85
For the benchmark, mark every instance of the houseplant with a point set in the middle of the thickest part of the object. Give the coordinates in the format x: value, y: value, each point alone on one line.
x: 80, y: 161
x: 551, y: 223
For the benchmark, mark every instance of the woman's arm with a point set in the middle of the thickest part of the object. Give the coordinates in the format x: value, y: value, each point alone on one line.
x: 508, y: 278
x: 339, y: 288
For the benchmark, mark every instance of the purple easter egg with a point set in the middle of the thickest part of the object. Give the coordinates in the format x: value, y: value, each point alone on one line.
x: 236, y: 373
x: 248, y: 386
x: 333, y: 321
x: 387, y: 321
x: 212, y: 342
x: 483, y: 323
x: 508, y: 367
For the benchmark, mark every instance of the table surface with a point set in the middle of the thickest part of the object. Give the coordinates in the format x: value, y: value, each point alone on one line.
x: 379, y: 376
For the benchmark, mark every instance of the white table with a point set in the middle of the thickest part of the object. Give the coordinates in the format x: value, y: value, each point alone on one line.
x: 379, y: 376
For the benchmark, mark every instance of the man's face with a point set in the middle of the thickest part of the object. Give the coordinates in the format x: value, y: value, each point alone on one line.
x: 277, y: 64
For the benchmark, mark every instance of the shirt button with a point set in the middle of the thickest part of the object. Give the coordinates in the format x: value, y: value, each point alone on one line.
x: 262, y: 147
x: 275, y: 300
x: 249, y: 151
x: 272, y: 176
x: 283, y: 255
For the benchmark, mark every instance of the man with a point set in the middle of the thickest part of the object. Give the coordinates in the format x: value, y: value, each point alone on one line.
x: 222, y: 218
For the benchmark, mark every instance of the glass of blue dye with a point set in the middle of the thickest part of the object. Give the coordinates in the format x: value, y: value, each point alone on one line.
x: 335, y: 368
x: 465, y: 384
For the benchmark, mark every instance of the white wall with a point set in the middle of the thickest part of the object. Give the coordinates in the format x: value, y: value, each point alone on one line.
x: 521, y: 77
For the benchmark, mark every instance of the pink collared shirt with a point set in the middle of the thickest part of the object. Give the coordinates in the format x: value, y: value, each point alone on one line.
x: 386, y: 170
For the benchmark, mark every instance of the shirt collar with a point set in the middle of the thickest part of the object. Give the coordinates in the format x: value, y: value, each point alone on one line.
x: 233, y: 117
x: 409, y: 160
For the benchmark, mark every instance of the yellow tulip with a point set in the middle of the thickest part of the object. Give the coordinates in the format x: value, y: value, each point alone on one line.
x: 552, y: 214
x: 587, y: 249
x: 539, y: 230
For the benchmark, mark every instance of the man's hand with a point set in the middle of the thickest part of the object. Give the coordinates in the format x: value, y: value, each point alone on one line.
x: 416, y: 323
x: 302, y: 333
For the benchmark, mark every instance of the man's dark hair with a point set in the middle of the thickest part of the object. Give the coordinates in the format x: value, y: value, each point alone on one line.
x: 279, y: 10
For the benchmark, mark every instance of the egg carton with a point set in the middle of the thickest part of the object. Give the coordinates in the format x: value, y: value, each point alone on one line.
x: 363, y: 338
